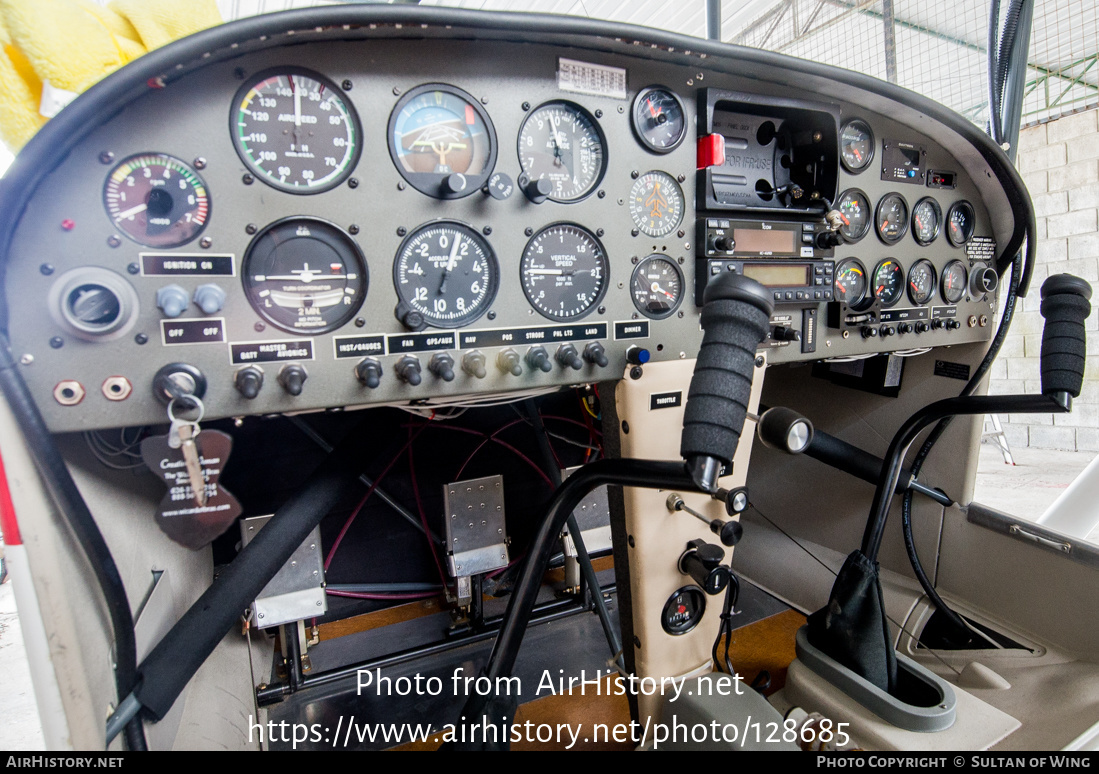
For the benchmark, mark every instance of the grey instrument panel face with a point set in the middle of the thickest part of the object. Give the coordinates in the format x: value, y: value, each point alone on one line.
x: 132, y: 254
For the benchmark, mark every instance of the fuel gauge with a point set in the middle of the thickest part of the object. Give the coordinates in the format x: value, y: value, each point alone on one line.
x: 659, y: 120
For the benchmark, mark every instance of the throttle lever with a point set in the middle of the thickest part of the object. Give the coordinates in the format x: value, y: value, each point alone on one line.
x: 730, y: 532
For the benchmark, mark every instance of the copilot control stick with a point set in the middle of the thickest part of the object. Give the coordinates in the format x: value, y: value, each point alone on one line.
x: 735, y: 315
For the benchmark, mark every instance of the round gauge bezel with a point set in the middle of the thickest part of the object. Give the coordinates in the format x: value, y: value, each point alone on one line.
x: 855, y: 170
x: 699, y: 597
x: 938, y: 221
x: 871, y: 215
x: 679, y: 276
x: 678, y: 193
x: 260, y: 174
x: 972, y: 222
x: 184, y: 165
x: 934, y: 283
x: 494, y: 271
x: 900, y: 290
x: 965, y: 282
x: 430, y: 183
x: 904, y: 220
x: 576, y: 108
x: 866, y: 298
x: 606, y: 271
x: 350, y: 311
x: 640, y: 134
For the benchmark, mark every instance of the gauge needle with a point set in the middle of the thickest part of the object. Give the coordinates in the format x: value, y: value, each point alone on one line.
x: 558, y: 158
x: 450, y: 263
x: 297, y: 111
x: 131, y: 212
x: 657, y: 289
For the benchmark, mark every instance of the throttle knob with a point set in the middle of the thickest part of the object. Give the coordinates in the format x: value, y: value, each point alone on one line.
x: 1066, y: 303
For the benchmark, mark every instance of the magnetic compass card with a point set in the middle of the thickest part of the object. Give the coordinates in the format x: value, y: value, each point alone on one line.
x: 179, y: 514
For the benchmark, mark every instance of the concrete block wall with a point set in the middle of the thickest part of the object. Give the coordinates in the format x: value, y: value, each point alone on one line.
x: 1059, y: 161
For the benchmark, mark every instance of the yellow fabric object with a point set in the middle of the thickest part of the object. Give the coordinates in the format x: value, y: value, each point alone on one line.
x: 51, y: 47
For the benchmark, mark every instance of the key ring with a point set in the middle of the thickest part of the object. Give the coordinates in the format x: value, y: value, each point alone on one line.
x: 197, y: 403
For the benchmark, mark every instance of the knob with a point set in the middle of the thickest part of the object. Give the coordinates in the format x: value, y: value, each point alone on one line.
x: 936, y: 324
x: 702, y: 561
x: 209, y: 298
x: 442, y: 365
x: 724, y: 244
x: 904, y: 328
x: 509, y: 361
x: 922, y: 327
x: 473, y: 363
x: 783, y: 333
x: 248, y: 381
x: 568, y: 357
x: 983, y: 280
x: 887, y: 330
x: 369, y: 372
x: 869, y: 333
x: 594, y: 353
x: 539, y: 359
x: 953, y: 325
x: 408, y: 370
x: 637, y: 356
x: 292, y: 378
x: 499, y: 186
x: 826, y: 240
x: 537, y: 190
x: 410, y: 318
x: 454, y: 183
x: 172, y: 300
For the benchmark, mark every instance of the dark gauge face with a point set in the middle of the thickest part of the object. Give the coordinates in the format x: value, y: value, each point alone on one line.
x: 888, y: 282
x: 657, y: 287
x: 156, y: 200
x: 304, y: 275
x: 564, y: 271
x: 294, y: 131
x: 959, y: 223
x: 921, y: 282
x: 659, y: 120
x: 891, y: 218
x: 447, y: 272
x: 656, y: 203
x: 856, y: 145
x: 850, y: 283
x: 954, y: 282
x: 854, y: 208
x: 927, y: 220
x: 683, y: 610
x: 561, y: 142
x: 442, y: 141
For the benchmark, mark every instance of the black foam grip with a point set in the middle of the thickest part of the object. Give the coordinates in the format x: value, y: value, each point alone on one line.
x: 734, y: 320
x: 1066, y: 303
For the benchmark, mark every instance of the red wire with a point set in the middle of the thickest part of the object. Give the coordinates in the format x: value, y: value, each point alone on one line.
x: 362, y: 502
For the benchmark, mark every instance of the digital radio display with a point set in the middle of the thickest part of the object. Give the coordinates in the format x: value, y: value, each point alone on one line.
x: 759, y: 242
x: 778, y: 275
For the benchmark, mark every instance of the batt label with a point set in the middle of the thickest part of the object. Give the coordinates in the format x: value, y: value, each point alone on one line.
x: 270, y: 351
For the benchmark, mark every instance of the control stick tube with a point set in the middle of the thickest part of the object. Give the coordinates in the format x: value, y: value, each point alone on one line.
x: 735, y: 315
x: 1066, y: 303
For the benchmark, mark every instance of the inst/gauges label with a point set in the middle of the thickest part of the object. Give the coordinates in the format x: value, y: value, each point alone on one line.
x: 502, y: 337
x: 187, y: 265
x: 270, y: 351
x: 358, y: 346
x: 201, y: 331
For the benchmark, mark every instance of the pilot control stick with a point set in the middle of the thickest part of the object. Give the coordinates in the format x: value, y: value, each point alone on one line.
x: 735, y: 316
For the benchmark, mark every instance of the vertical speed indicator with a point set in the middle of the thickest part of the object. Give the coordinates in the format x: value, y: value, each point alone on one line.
x: 294, y: 131
x: 564, y: 271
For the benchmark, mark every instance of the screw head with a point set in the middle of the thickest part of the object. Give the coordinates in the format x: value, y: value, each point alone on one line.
x: 400, y: 186
x: 260, y: 327
x: 199, y: 163
x: 599, y: 232
x: 57, y: 342
x: 633, y: 259
x: 602, y: 194
x: 396, y: 91
x: 141, y: 338
x: 346, y: 84
x: 133, y: 268
x: 251, y: 228
x: 106, y: 157
x: 636, y: 373
x: 353, y: 229
x: 401, y: 230
x: 528, y: 231
x: 247, y: 179
x: 360, y: 322
x: 635, y: 174
x: 46, y: 268
x: 114, y: 240
x: 486, y: 230
x: 598, y: 113
x: 681, y: 178
x: 27, y: 359
x: 353, y: 182
x: 492, y: 315
x: 681, y: 233
x: 205, y: 243
x: 526, y: 106
x: 602, y: 310
x: 759, y: 361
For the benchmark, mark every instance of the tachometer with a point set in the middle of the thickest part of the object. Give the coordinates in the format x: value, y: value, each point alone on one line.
x: 656, y: 203
x: 446, y: 273
x: 562, y: 143
x: 156, y: 200
x: 888, y: 282
x: 564, y: 271
x: 304, y: 275
x: 294, y: 131
x: 657, y: 286
x: 442, y: 141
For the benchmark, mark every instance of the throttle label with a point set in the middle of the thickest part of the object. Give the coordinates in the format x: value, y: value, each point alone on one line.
x: 663, y: 400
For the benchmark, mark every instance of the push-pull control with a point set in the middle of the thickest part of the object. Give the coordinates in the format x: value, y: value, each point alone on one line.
x: 702, y: 562
x: 730, y: 532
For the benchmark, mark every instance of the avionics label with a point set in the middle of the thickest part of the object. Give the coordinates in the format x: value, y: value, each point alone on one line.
x: 270, y: 351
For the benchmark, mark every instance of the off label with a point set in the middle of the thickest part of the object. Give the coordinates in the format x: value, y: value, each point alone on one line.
x: 202, y: 331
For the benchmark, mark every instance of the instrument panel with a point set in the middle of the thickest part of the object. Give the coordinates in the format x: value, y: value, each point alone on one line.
x: 306, y: 227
